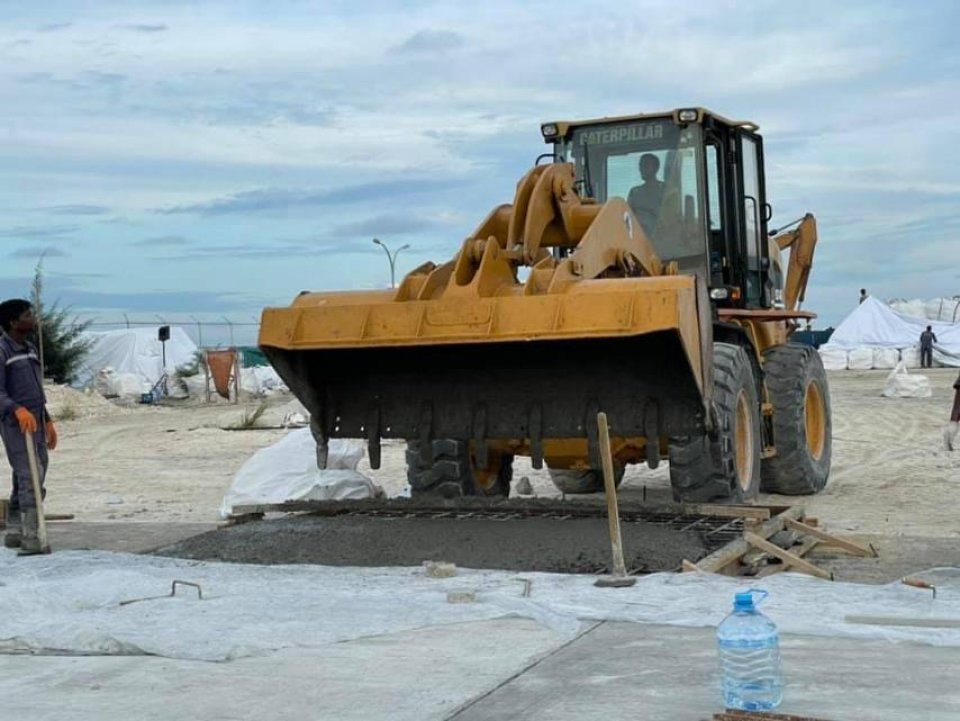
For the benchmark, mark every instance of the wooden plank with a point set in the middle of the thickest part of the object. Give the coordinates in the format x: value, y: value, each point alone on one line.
x: 802, y: 550
x: 788, y: 558
x: 719, y: 560
x: 610, y: 491
x: 829, y: 538
x: 688, y: 567
x: 760, y: 513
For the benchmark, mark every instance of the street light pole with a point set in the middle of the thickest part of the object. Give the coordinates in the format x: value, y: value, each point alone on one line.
x: 392, y: 258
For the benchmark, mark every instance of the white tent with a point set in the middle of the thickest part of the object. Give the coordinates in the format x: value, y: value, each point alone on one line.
x: 876, y: 327
x: 136, y: 352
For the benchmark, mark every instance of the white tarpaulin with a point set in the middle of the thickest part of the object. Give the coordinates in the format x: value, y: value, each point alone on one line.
x: 136, y: 352
x: 876, y: 325
x: 287, y: 471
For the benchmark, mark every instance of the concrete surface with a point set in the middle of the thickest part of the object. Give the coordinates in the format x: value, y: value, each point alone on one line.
x: 634, y: 671
x: 503, y: 669
x: 415, y: 675
x: 130, y: 537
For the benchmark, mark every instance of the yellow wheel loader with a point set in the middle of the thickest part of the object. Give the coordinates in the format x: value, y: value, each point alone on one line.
x: 635, y: 274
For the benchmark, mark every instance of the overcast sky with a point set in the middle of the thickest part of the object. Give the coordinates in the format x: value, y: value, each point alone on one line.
x: 210, y: 158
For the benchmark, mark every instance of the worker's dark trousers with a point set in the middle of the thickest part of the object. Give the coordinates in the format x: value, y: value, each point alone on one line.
x: 926, y: 357
x: 15, y: 444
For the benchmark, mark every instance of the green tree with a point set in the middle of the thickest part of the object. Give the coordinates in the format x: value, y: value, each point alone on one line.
x: 59, y: 334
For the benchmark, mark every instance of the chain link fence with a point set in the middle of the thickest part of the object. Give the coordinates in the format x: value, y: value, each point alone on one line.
x: 206, y: 333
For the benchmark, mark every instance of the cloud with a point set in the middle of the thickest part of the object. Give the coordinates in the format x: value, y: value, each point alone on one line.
x: 53, y: 27
x: 145, y: 27
x: 429, y: 40
x: 279, y: 199
x: 79, y: 209
x: 168, y: 240
x: 40, y: 231
x: 385, y: 224
x: 35, y: 253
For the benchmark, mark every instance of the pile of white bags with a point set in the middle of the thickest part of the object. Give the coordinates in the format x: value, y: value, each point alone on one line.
x: 902, y: 384
x: 111, y: 384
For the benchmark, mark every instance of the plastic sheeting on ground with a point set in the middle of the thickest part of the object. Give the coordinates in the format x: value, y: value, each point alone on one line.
x: 287, y: 471
x: 902, y: 384
x: 71, y: 602
x: 135, y: 351
x: 261, y: 381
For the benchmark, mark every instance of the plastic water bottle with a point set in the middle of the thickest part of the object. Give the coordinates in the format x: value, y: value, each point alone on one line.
x: 749, y: 646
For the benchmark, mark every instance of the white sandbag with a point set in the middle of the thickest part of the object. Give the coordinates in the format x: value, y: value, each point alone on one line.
x: 885, y: 358
x: 902, y: 384
x: 111, y: 384
x: 910, y: 356
x: 912, y: 308
x: 834, y: 358
x: 860, y: 359
x: 287, y: 471
x: 942, y: 309
x: 261, y: 381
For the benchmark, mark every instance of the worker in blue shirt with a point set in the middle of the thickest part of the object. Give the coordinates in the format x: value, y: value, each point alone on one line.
x: 22, y: 409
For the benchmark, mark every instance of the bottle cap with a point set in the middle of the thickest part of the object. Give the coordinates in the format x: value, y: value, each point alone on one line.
x: 744, y: 600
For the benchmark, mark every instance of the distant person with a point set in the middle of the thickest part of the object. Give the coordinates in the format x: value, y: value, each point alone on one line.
x: 950, y: 432
x: 22, y: 409
x: 645, y: 200
x: 927, y: 339
x: 863, y: 294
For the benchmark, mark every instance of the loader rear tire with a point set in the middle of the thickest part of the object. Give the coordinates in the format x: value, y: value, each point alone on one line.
x: 587, y: 480
x: 452, y: 471
x: 802, y: 429
x: 725, y: 465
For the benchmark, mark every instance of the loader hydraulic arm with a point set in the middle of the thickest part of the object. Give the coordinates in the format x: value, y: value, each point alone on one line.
x: 801, y: 242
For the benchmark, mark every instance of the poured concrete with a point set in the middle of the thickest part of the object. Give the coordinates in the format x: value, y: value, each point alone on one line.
x: 503, y: 669
x: 634, y: 671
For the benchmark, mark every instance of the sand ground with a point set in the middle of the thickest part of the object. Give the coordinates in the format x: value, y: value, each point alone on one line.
x: 173, y: 464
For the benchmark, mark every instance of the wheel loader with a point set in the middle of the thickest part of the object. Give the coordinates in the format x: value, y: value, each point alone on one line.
x: 634, y: 273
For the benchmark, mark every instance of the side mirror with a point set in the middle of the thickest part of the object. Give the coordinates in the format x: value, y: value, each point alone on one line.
x: 767, y: 212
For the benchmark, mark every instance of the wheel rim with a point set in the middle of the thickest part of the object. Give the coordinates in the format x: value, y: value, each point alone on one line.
x: 815, y: 420
x: 744, y: 442
x: 486, y: 479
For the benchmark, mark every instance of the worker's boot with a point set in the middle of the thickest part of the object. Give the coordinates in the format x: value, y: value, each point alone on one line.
x: 950, y: 435
x: 11, y: 539
x: 29, y: 542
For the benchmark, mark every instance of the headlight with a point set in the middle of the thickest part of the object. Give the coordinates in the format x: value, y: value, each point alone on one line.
x: 688, y: 116
x: 549, y: 130
x: 719, y: 293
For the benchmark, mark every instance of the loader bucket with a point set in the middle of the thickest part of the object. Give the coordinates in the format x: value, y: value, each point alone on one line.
x: 514, y: 366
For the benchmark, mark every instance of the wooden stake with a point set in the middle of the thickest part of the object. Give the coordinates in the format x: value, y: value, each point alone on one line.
x: 829, y: 539
x: 788, y: 558
x: 37, y: 491
x: 236, y: 375
x: 206, y: 375
x: 619, y: 576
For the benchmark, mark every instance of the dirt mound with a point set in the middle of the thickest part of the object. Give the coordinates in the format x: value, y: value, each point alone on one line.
x: 66, y: 403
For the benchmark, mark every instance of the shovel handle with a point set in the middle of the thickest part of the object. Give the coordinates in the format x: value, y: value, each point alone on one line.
x: 37, y: 487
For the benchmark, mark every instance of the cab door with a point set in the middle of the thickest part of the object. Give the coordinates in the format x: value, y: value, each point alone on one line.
x: 753, y: 218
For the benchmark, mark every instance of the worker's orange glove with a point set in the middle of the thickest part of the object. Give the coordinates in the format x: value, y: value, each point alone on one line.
x: 51, y: 431
x: 26, y: 419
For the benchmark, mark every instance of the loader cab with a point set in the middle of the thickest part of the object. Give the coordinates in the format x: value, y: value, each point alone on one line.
x: 694, y: 180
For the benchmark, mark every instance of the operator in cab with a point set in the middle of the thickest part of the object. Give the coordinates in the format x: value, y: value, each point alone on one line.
x: 645, y: 200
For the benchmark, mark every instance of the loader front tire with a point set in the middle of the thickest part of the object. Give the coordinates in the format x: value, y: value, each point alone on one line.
x: 802, y: 429
x: 725, y: 465
x: 587, y: 480
x: 452, y: 471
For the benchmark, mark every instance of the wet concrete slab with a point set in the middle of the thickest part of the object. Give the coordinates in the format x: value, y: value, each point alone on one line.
x: 665, y: 673
x: 119, y: 536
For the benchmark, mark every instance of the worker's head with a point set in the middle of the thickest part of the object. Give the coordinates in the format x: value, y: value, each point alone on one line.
x: 929, y: 327
x: 16, y: 315
x: 649, y: 166
x: 863, y: 291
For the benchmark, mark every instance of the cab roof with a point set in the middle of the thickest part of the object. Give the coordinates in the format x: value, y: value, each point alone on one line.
x: 564, y: 127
